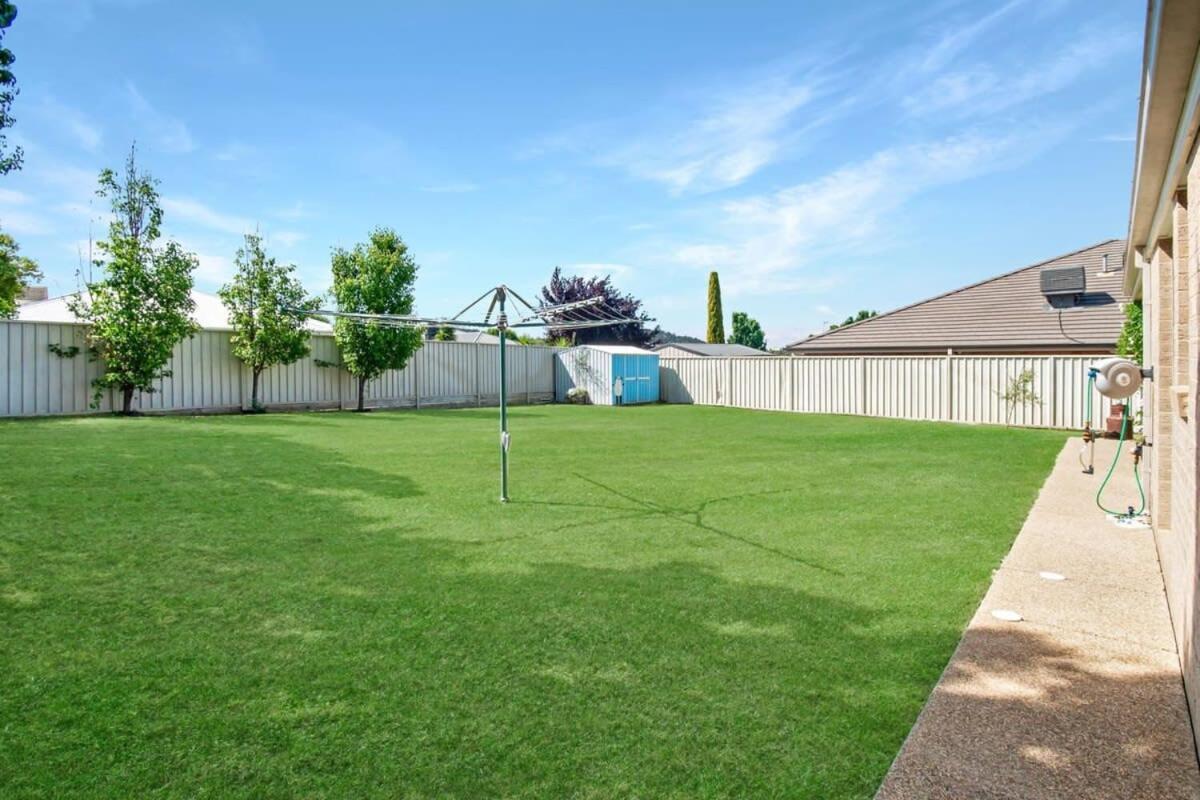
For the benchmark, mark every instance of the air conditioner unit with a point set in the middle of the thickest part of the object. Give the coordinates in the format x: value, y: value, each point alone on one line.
x: 1063, y: 285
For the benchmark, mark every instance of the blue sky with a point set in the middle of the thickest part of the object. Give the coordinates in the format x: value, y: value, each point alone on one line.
x: 823, y: 157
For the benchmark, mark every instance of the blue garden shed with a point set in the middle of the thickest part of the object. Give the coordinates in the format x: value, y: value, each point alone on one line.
x: 596, y: 368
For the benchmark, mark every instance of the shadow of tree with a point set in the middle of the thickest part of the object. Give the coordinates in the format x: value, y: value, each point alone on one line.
x: 1021, y: 715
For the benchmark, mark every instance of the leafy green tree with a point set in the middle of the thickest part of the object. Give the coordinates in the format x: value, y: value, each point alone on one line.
x: 859, y: 317
x: 16, y: 272
x: 747, y: 331
x: 10, y: 159
x: 445, y: 334
x: 374, y: 278
x: 716, y: 318
x: 1129, y: 342
x: 142, y: 308
x: 265, y: 333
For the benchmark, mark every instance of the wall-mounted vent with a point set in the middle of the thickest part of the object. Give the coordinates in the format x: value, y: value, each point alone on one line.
x: 1064, y: 285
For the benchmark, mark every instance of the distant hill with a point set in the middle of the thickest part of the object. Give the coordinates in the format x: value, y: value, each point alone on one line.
x: 666, y: 337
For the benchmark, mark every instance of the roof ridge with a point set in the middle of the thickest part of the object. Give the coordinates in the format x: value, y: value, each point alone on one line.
x: 959, y: 290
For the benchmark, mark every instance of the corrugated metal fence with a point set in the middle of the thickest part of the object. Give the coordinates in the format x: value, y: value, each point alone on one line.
x: 35, y: 381
x: 945, y: 388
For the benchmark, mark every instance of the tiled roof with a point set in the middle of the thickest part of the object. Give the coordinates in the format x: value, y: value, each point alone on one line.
x: 1003, y: 314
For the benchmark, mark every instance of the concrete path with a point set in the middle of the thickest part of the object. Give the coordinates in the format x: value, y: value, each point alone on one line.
x: 1081, y: 699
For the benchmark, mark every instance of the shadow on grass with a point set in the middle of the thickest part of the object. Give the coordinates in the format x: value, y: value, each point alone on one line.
x: 632, y: 509
x: 1022, y: 715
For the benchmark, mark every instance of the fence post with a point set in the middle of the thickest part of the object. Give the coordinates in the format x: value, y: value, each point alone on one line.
x: 791, y: 362
x: 416, y: 380
x: 862, y: 386
x: 728, y: 381
x: 478, y: 385
x: 528, y: 386
x: 948, y: 390
x: 1053, y: 396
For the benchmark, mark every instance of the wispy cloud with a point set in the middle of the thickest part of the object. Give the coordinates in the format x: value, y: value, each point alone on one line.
x: 78, y: 126
x: 197, y: 213
x: 166, y: 131
x: 455, y: 187
x: 288, y: 238
x: 234, y: 151
x: 958, y: 37
x: 716, y: 139
x: 598, y: 270
x: 987, y: 88
x: 297, y: 210
x: 767, y: 239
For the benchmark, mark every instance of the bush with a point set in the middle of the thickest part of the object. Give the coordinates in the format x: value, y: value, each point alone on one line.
x: 578, y: 396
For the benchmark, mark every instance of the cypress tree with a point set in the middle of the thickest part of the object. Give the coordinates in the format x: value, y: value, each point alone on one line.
x: 716, y: 320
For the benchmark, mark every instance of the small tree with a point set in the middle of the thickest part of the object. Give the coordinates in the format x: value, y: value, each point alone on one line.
x: 9, y: 159
x: 747, y: 331
x: 142, y: 308
x: 16, y: 273
x: 1129, y: 342
x: 859, y: 317
x: 1019, y: 392
x: 374, y: 278
x: 716, y: 318
x: 264, y: 333
x: 445, y: 334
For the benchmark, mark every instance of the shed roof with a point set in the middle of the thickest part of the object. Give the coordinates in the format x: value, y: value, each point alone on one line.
x: 624, y: 349
x: 713, y: 350
x: 1007, y: 313
x: 210, y: 313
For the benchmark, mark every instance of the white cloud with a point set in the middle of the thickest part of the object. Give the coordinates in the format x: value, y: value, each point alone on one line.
x: 213, y: 270
x: 955, y: 40
x: 24, y: 223
x: 198, y: 213
x: 765, y: 240
x: 989, y: 88
x: 84, y: 131
x: 234, y: 151
x: 11, y: 197
x: 461, y: 187
x: 288, y: 238
x: 598, y: 270
x: 168, y: 132
x: 736, y: 134
x: 713, y: 139
x: 297, y: 210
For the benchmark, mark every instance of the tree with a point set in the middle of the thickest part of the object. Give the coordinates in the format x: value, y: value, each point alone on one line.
x: 16, y: 272
x: 264, y: 333
x: 859, y: 317
x: 9, y: 159
x: 568, y: 289
x: 142, y: 308
x: 1129, y: 342
x: 374, y: 278
x: 747, y: 331
x: 716, y: 318
x: 445, y: 334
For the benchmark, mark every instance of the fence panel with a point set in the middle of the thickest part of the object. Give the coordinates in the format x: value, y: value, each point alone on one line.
x: 204, y: 376
x: 943, y: 388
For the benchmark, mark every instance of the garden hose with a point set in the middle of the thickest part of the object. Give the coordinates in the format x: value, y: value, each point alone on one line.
x: 1137, y: 476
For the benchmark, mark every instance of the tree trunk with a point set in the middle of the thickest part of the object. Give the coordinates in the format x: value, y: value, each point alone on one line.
x: 127, y: 399
x: 254, y: 389
x: 362, y: 383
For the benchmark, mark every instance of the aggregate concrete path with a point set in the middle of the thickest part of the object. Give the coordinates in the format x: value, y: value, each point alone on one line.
x: 1083, y: 697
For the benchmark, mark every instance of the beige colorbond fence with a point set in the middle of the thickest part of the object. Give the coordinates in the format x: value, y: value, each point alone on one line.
x: 34, y: 381
x: 945, y: 388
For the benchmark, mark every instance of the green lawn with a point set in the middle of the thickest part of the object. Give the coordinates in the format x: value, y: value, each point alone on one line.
x: 679, y: 601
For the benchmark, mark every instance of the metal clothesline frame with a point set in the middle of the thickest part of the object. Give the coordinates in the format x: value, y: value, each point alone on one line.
x: 575, y: 315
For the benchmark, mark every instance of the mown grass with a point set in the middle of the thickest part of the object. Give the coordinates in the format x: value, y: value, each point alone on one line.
x: 679, y: 601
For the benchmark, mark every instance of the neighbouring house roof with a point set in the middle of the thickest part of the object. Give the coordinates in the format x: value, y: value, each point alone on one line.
x: 477, y: 336
x: 1007, y: 313
x: 210, y: 312
x: 712, y: 350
